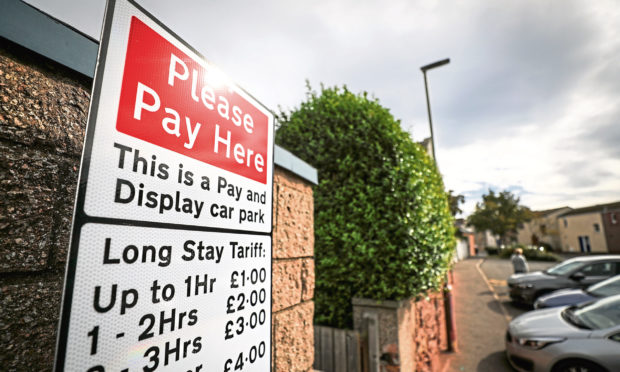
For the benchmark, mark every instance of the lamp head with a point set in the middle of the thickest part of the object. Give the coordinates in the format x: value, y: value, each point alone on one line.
x: 435, y: 64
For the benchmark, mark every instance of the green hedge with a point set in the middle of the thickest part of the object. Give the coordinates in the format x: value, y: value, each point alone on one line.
x: 492, y: 251
x: 383, y: 226
x: 530, y: 254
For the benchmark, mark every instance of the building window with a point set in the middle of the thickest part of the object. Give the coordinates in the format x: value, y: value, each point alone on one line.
x: 543, y: 229
x: 597, y: 228
x: 565, y: 223
x: 614, y: 218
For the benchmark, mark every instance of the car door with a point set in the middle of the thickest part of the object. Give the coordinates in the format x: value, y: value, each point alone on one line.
x: 596, y: 272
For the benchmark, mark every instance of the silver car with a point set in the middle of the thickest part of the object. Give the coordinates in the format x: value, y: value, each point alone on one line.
x: 575, y: 338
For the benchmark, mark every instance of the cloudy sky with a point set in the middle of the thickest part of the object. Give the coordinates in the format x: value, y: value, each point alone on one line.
x: 530, y: 101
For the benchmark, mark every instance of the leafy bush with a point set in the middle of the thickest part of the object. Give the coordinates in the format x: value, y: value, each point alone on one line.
x: 382, y: 222
x: 532, y: 254
x: 492, y: 251
x: 546, y: 246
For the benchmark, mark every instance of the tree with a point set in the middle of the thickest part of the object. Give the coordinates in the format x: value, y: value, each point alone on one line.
x: 499, y: 213
x: 455, y: 201
x: 383, y: 228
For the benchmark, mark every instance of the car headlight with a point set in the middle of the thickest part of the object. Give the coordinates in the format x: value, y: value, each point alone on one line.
x: 538, y: 342
x: 525, y: 286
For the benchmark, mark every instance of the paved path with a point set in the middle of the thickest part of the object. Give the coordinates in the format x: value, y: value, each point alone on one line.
x: 482, y: 311
x: 480, y: 322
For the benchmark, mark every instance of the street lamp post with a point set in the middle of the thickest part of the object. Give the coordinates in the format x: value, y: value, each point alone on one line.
x: 428, y: 102
x: 448, y: 307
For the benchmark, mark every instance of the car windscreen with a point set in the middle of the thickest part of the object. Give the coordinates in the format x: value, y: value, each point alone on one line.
x: 601, y: 314
x: 563, y: 268
x: 605, y: 288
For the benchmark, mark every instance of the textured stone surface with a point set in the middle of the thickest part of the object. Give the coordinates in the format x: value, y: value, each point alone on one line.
x: 286, y: 290
x: 293, y: 282
x: 406, y: 336
x: 440, y: 313
x: 41, y: 107
x: 293, y: 274
x: 28, y: 322
x: 294, y: 217
x: 427, y: 335
x: 307, y: 279
x: 28, y: 189
x: 294, y: 338
x: 63, y: 213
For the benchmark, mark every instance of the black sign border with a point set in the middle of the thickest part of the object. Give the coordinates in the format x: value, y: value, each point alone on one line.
x: 80, y: 218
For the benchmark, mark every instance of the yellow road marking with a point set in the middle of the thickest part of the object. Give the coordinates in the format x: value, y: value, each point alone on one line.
x: 486, y: 280
x: 497, y: 283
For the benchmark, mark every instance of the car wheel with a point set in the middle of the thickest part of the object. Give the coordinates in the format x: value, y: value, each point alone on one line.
x: 577, y: 365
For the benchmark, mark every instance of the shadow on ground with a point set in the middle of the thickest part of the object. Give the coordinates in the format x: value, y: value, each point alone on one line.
x: 495, y: 306
x: 519, y: 306
x: 495, y: 362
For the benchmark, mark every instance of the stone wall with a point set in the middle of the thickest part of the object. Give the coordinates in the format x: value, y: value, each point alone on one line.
x: 293, y: 274
x: 412, y: 332
x: 43, y: 111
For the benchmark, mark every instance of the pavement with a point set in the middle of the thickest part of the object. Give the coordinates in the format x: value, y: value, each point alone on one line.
x: 482, y: 311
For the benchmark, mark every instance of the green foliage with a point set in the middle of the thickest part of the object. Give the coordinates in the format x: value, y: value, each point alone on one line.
x: 382, y: 223
x: 455, y: 202
x: 492, y: 251
x: 531, y: 254
x: 546, y: 246
x: 499, y: 213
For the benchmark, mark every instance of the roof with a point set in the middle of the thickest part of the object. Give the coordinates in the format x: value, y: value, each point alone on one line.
x: 549, y: 211
x: 599, y: 208
x: 41, y: 33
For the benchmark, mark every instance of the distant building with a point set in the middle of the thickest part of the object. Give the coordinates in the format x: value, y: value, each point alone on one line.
x: 542, y: 228
x: 465, y: 242
x: 593, y: 229
x: 611, y: 226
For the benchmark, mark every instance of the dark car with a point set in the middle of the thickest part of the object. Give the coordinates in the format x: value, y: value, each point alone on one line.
x: 566, y: 297
x: 578, y: 272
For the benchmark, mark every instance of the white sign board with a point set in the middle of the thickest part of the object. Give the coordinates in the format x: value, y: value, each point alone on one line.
x: 170, y: 258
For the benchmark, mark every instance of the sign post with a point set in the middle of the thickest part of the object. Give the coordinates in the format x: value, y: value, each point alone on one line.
x: 170, y: 259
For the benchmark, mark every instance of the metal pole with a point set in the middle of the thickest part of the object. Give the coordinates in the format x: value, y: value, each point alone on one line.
x: 430, y: 118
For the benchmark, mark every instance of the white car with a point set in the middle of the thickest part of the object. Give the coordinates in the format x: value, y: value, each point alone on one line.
x: 584, y: 338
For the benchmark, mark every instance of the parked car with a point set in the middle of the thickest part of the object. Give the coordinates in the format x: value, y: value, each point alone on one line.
x: 575, y: 338
x: 578, y: 272
x: 566, y: 297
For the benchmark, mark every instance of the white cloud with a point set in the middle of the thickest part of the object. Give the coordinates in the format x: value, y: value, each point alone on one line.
x: 530, y: 101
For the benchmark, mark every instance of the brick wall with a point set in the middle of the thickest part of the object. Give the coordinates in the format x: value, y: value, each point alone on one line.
x: 43, y: 111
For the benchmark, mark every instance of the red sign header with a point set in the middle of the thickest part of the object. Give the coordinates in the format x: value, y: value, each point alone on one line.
x: 171, y: 100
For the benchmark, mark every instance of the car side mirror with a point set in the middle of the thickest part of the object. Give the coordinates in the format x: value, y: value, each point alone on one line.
x: 578, y: 276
